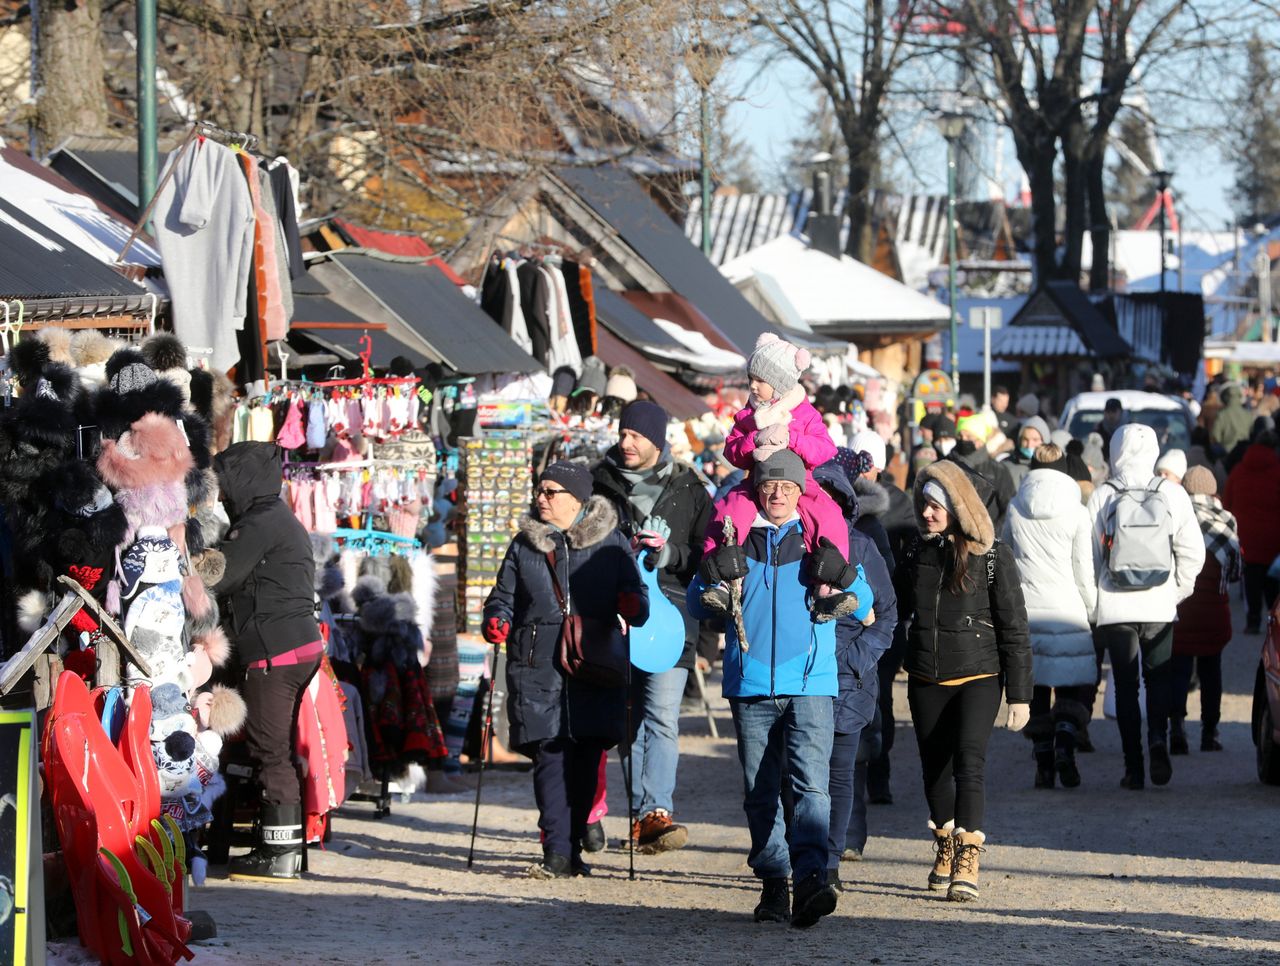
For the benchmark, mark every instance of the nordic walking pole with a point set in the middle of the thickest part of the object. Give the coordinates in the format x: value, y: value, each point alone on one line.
x: 629, y: 773
x: 485, y: 739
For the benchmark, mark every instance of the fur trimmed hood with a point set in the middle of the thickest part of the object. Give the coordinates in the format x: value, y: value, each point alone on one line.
x: 873, y: 499
x: 970, y: 515
x: 598, y: 520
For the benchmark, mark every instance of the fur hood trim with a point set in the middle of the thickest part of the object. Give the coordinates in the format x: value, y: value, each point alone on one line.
x: 778, y: 412
x: 873, y: 499
x: 970, y: 515
x: 599, y: 519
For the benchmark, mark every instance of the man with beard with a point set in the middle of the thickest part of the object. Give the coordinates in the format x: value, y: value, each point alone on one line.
x: 663, y: 508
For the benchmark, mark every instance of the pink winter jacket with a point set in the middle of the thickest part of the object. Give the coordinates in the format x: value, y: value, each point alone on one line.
x: 808, y: 436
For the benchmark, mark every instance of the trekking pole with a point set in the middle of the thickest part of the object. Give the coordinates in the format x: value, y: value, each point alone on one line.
x: 629, y: 775
x: 485, y: 739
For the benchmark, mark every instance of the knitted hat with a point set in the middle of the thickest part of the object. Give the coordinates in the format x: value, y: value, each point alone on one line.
x: 646, y: 418
x: 977, y: 425
x: 777, y: 362
x: 132, y: 377
x: 1029, y: 405
x: 1199, y: 480
x: 944, y: 427
x: 574, y: 477
x: 621, y: 384
x: 782, y: 465
x: 592, y: 379
x: 872, y: 443
x: 1175, y: 461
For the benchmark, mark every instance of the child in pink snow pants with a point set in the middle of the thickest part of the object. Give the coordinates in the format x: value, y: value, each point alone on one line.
x: 778, y: 416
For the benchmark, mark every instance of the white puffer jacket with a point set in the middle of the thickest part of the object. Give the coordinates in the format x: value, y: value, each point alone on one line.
x: 1134, y: 451
x: 1050, y: 535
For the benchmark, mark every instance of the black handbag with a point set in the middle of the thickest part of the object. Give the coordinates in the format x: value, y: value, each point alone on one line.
x: 590, y: 650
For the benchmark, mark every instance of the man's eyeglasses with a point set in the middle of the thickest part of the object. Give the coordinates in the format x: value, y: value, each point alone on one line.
x: 777, y: 486
x: 548, y: 492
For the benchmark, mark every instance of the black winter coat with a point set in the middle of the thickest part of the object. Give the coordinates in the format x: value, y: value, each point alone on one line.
x: 269, y: 585
x: 596, y: 557
x: 982, y: 631
x: 686, y: 506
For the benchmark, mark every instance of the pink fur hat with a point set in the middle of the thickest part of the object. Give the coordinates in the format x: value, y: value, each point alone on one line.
x: 153, y: 450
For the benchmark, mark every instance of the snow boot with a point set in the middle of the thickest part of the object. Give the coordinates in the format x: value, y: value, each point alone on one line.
x: 279, y: 852
x: 553, y: 866
x: 1064, y: 754
x: 1177, y: 737
x: 944, y: 855
x: 594, y: 840
x: 964, y: 878
x: 775, y: 901
x: 1044, y: 764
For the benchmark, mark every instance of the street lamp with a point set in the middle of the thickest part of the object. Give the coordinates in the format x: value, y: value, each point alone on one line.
x: 1162, y: 185
x: 704, y: 62
x: 951, y: 124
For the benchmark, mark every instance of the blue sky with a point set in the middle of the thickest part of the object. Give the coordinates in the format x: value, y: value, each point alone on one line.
x: 774, y: 100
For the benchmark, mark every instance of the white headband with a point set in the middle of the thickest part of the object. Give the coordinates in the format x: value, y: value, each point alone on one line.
x: 934, y: 492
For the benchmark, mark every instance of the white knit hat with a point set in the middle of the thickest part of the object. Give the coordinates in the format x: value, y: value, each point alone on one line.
x: 621, y: 384
x: 1175, y: 461
x: 870, y: 442
x: 777, y: 362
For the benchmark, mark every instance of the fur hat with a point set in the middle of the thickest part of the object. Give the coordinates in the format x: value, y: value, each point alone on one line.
x: 969, y: 513
x: 777, y: 362
x: 27, y: 361
x: 59, y: 343
x: 367, y: 588
x: 153, y: 450
x: 166, y: 354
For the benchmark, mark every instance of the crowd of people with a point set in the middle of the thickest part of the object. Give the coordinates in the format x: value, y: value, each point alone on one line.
x: 1012, y: 561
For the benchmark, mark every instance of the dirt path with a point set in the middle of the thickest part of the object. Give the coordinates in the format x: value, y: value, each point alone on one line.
x: 1186, y: 873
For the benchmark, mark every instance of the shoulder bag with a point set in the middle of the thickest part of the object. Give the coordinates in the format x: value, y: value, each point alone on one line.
x: 591, y: 650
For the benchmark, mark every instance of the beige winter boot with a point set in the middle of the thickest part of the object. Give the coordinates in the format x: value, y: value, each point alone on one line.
x: 945, y: 848
x: 964, y: 877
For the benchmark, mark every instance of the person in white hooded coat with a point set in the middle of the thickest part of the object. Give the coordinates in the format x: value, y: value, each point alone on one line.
x: 1139, y: 623
x: 1049, y: 531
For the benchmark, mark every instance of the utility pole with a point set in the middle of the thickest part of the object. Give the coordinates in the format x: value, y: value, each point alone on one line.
x: 952, y: 126
x: 147, y: 160
x: 1262, y: 266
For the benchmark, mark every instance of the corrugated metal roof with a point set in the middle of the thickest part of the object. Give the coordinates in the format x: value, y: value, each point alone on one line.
x: 679, y: 402
x: 466, y: 339
x: 40, y: 264
x: 626, y: 321
x: 321, y: 308
x: 1037, y: 341
x: 617, y: 198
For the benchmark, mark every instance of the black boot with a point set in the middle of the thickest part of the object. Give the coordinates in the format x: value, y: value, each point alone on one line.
x: 279, y: 854
x: 1064, y: 754
x: 1177, y: 737
x: 1209, y: 737
x: 775, y: 901
x: 1044, y: 764
x: 1161, y: 766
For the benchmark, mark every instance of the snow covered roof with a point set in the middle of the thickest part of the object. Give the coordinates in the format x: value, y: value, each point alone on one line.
x: 837, y: 295
x: 1022, y: 341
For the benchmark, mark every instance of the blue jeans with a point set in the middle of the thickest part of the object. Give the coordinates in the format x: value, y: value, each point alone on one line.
x: 799, y: 732
x: 655, y: 752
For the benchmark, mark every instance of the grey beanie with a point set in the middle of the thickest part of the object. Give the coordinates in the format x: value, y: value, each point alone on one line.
x: 783, y: 465
x: 777, y: 362
x: 1036, y: 423
x: 134, y: 376
x: 1028, y: 405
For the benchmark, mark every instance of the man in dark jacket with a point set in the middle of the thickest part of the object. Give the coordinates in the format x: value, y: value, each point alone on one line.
x: 663, y: 508
x: 857, y: 645
x: 268, y: 593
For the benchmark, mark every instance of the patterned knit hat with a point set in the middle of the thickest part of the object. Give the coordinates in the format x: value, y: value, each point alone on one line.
x: 777, y: 362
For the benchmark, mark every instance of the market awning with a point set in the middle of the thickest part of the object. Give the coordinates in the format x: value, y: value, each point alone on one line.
x: 54, y: 277
x: 618, y: 199
x: 679, y: 402
x: 423, y: 309
x: 1038, y: 341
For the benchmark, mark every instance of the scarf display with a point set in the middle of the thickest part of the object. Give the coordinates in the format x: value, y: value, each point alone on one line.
x: 1220, y: 536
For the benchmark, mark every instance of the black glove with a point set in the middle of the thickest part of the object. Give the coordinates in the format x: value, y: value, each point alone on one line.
x: 828, y: 566
x: 727, y: 563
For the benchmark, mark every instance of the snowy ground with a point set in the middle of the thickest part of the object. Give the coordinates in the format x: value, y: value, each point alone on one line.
x: 1186, y: 873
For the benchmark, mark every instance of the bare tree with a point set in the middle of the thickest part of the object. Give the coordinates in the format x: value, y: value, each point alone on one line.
x: 69, y: 96
x: 854, y: 51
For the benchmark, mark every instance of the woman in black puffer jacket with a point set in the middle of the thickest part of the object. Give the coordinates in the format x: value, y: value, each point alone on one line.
x: 968, y: 638
x: 562, y: 724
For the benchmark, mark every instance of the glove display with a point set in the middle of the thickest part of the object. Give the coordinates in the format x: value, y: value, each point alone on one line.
x: 828, y: 566
x: 496, y: 629
x: 1019, y: 715
x: 727, y: 563
x: 866, y: 596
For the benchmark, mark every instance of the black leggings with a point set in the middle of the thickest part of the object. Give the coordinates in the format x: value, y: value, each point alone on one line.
x: 953, y: 724
x: 1210, y: 670
x: 272, y: 697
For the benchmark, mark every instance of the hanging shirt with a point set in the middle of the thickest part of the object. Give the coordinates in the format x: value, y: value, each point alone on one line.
x: 204, y: 229
x: 563, y: 349
x: 517, y: 328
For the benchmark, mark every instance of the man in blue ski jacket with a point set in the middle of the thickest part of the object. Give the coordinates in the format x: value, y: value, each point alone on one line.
x: 780, y: 681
